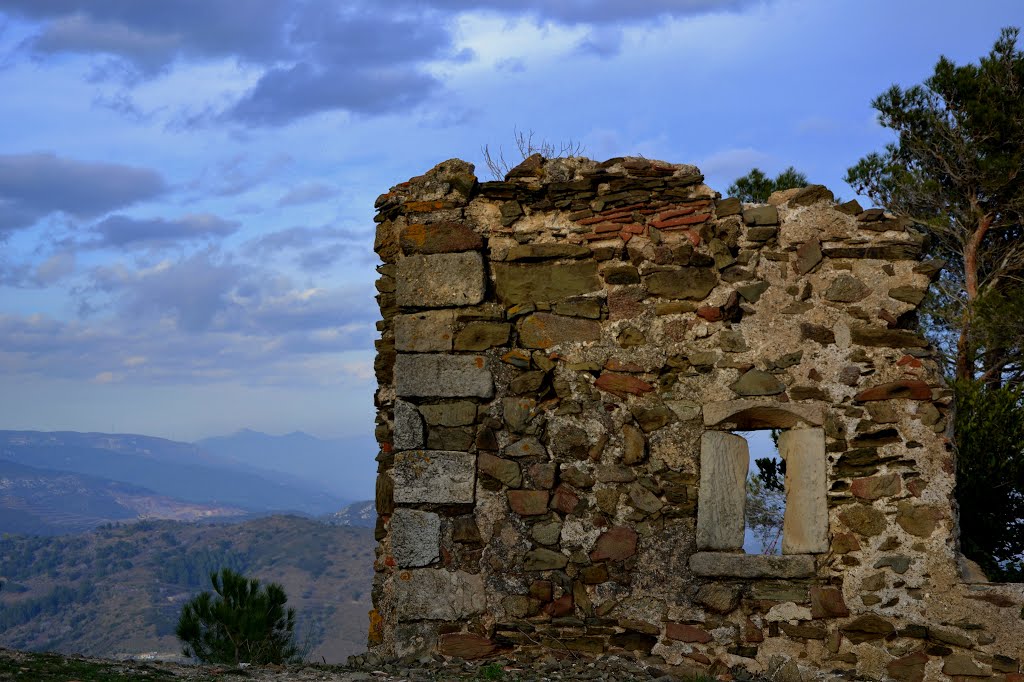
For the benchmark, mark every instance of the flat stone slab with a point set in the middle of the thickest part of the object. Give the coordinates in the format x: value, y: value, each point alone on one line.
x: 729, y: 565
x: 441, y: 280
x: 442, y: 376
x: 408, y: 430
x: 434, y: 476
x: 724, y: 459
x: 760, y: 414
x: 415, y: 537
x: 805, y: 525
x: 429, y: 594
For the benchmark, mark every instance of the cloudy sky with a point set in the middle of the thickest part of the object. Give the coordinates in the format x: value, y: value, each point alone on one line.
x: 186, y: 186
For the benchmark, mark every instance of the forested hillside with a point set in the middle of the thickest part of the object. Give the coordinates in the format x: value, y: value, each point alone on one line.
x: 117, y: 591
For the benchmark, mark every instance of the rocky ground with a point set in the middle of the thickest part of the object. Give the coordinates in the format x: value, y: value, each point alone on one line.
x: 46, y: 667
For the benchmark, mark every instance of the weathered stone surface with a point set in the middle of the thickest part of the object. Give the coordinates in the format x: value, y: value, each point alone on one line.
x: 724, y: 460
x: 963, y: 664
x: 547, y: 533
x: 846, y: 289
x: 466, y: 645
x: 622, y: 384
x: 504, y: 470
x: 541, y: 559
x: 805, y: 524
x: 524, y: 447
x: 875, y: 487
x: 408, y: 432
x: 920, y: 520
x: 644, y: 500
x: 808, y: 255
x: 615, y: 544
x: 887, y: 338
x: 745, y: 414
x: 546, y: 251
x: 728, y: 207
x: 434, y: 476
x: 482, y: 335
x: 752, y: 292
x: 429, y: 594
x: 909, y: 668
x: 811, y: 194
x: 897, y: 562
x: 634, y: 446
x: 761, y: 215
x: 621, y: 274
x: 911, y: 295
x: 440, y: 280
x: 909, y: 389
x: 681, y: 632
x: 756, y: 382
x: 817, y: 333
x: 719, y: 598
x: 531, y: 283
x: 543, y: 330
x: 528, y: 502
x: 828, y: 602
x: 426, y: 331
x: 863, y: 519
x: 443, y: 237
x: 415, y: 537
x: 442, y: 376
x: 867, y: 628
x: 729, y: 565
x: 685, y: 283
x: 452, y: 413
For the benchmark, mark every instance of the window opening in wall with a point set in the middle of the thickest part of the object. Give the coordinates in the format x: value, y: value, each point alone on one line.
x: 766, y: 493
x: 723, y: 520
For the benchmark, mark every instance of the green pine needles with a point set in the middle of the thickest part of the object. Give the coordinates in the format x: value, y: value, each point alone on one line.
x: 241, y: 622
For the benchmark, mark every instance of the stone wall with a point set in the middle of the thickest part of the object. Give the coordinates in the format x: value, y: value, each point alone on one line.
x: 565, y: 363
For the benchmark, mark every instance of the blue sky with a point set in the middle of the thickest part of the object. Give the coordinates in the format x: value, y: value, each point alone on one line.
x: 186, y: 187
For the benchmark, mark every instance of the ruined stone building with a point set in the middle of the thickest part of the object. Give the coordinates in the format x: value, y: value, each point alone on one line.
x: 570, y: 363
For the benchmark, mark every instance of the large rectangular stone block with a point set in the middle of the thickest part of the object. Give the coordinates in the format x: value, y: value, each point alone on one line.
x: 429, y: 594
x: 726, y: 565
x: 442, y: 376
x: 415, y: 537
x: 724, y: 460
x: 426, y: 331
x: 441, y: 280
x: 805, y: 524
x: 544, y: 282
x: 434, y: 476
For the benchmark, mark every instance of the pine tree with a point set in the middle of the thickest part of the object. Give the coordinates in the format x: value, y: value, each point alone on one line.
x: 241, y: 623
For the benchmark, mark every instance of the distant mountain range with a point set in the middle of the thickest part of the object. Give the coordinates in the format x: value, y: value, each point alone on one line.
x: 60, y: 482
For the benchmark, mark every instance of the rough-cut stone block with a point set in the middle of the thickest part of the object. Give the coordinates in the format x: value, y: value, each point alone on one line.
x: 616, y: 544
x: 441, y: 280
x: 544, y: 282
x: 443, y: 237
x: 911, y: 389
x: 681, y: 632
x: 506, y: 471
x: 456, y: 413
x: 528, y: 502
x: 415, y: 537
x: 434, y: 476
x: 429, y: 594
x: 408, y: 432
x: 846, y: 289
x: 430, y: 330
x: 724, y: 460
x: 466, y: 645
x: 805, y: 525
x: 757, y: 382
x: 685, y: 283
x: 546, y: 251
x: 808, y: 255
x: 543, y: 330
x: 745, y: 414
x: 541, y: 559
x: 828, y: 602
x: 762, y: 215
x: 442, y: 376
x: 887, y: 338
x: 729, y: 565
x: 622, y: 384
x: 482, y: 335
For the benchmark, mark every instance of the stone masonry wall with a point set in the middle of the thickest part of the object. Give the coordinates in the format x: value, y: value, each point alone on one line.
x: 566, y: 359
